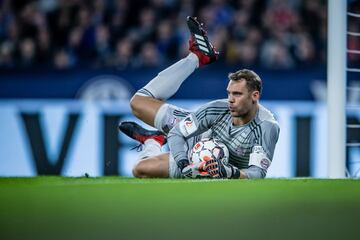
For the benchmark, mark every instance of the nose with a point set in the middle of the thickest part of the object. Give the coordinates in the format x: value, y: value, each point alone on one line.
x: 230, y: 98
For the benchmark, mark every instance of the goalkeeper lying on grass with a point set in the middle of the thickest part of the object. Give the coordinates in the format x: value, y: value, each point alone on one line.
x: 248, y: 129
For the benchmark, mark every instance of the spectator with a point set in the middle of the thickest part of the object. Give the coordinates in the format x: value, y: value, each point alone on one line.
x: 62, y: 60
x: 123, y: 54
x: 43, y: 46
x: 145, y: 30
x: 118, y: 21
x: 149, y: 56
x: 6, y: 55
x: 166, y: 40
x: 304, y: 49
x: 275, y: 55
x: 102, y: 45
x: 27, y: 53
x: 247, y: 53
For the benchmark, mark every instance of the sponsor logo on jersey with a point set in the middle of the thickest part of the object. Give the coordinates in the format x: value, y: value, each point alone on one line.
x: 188, y: 126
x: 265, y: 163
x: 258, y: 149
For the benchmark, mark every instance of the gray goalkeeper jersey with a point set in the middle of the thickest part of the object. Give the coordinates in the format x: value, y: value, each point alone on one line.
x: 214, y: 120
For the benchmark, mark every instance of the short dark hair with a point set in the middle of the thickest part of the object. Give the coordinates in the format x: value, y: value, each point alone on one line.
x: 253, y: 81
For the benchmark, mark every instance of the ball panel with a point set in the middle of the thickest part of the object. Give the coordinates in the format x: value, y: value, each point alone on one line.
x: 207, y: 149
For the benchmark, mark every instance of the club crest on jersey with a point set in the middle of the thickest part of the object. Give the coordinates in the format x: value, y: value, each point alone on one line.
x: 240, y: 151
x: 188, y: 126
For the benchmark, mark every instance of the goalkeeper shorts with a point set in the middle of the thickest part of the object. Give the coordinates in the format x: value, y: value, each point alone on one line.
x: 168, y: 116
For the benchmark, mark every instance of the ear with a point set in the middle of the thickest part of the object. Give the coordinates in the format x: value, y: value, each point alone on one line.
x: 255, y: 95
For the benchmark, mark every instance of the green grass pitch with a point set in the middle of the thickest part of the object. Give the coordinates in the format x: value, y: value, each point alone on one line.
x: 126, y: 208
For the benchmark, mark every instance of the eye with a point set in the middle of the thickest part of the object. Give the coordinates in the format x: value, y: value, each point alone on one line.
x: 234, y: 94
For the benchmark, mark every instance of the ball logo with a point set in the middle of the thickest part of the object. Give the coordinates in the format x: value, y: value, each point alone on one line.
x: 265, y: 163
x: 197, y: 146
x: 207, y: 158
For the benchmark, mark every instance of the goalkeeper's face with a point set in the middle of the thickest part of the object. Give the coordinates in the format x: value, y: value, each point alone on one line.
x: 242, y: 102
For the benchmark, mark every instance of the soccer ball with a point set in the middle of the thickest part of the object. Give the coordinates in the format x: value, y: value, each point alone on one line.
x: 207, y: 149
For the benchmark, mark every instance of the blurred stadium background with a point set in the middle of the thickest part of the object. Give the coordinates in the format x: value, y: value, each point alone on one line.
x: 68, y: 69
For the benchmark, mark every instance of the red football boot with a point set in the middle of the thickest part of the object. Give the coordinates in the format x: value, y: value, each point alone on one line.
x: 199, y: 43
x: 140, y: 134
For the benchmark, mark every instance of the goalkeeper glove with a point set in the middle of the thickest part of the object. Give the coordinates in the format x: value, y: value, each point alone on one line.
x: 217, y: 169
x: 195, y: 170
x: 182, y: 163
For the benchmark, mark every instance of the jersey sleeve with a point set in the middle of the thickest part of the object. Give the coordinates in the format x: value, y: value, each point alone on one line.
x: 270, y: 137
x: 192, y: 125
x: 262, y: 153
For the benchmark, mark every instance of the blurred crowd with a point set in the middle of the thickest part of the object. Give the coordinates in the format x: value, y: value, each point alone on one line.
x: 275, y: 34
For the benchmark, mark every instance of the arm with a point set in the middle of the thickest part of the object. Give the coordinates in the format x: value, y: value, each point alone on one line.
x: 260, y: 158
x: 252, y: 172
x: 178, y: 135
x: 178, y: 146
x: 217, y: 169
x: 261, y: 155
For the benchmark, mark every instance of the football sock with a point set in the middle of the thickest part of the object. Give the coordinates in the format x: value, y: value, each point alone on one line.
x: 150, y: 148
x: 168, y: 81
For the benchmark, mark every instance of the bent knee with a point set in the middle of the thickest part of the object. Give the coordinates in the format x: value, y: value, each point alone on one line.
x: 139, y: 170
x: 145, y: 108
x: 136, y: 104
x: 154, y: 167
x: 144, y: 169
